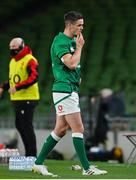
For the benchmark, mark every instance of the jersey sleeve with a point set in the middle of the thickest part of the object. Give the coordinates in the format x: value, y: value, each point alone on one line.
x: 61, y: 49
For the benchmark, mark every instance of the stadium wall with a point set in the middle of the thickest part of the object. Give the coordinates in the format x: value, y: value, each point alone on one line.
x: 65, y: 145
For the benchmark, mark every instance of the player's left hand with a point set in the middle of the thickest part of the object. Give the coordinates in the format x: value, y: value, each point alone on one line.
x: 12, y: 90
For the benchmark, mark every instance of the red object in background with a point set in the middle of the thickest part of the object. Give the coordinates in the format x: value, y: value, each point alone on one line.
x: 2, y: 146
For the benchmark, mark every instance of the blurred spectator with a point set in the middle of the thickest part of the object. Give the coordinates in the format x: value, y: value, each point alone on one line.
x: 101, y: 129
x: 108, y: 104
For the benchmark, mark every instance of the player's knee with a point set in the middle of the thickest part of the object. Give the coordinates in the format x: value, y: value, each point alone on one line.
x: 60, y: 132
x: 63, y: 132
x: 81, y: 130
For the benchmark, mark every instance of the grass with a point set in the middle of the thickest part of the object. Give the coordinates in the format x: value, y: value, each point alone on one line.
x: 63, y: 170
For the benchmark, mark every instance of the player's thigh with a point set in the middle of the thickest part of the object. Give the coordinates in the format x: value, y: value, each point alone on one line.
x: 75, y: 122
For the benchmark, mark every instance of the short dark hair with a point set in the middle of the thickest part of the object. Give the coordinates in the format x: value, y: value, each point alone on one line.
x: 72, y: 16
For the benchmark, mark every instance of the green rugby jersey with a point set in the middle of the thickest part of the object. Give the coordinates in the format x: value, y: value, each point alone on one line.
x: 65, y: 79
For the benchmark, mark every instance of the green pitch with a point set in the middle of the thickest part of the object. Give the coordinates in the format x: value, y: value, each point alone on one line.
x: 63, y: 170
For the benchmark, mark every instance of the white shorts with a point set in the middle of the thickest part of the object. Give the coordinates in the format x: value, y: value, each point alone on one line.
x: 66, y: 103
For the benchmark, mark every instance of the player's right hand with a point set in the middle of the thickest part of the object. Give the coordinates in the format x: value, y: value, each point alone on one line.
x: 80, y: 40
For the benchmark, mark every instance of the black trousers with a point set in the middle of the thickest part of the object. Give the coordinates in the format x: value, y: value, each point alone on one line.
x: 24, y: 112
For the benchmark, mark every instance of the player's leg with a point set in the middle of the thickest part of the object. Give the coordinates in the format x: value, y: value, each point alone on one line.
x: 73, y: 118
x: 58, y: 132
x: 75, y: 122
